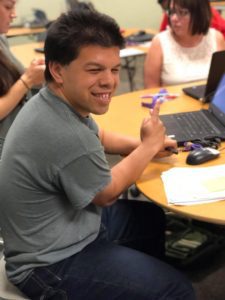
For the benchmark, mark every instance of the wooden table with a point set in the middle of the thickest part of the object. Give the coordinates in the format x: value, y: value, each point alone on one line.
x: 129, y: 31
x: 125, y: 116
x: 25, y: 52
x: 21, y: 31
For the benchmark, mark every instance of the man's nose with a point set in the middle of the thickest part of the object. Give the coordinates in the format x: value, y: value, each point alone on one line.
x: 107, y: 78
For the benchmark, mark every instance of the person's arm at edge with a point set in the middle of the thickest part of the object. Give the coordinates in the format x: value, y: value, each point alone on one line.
x: 217, y: 21
x: 220, y: 41
x: 10, y: 100
x: 32, y: 76
x: 153, y: 65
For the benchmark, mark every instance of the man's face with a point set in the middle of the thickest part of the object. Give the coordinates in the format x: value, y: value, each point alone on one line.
x: 90, y: 80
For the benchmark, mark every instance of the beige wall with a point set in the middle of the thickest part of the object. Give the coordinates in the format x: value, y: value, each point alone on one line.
x: 132, y: 13
x: 128, y: 13
x: 51, y: 7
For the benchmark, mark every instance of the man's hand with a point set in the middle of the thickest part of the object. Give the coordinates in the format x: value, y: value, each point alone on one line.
x: 168, y: 143
x: 153, y: 130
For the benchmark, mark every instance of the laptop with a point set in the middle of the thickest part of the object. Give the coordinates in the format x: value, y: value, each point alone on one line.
x: 217, y: 68
x: 199, y: 125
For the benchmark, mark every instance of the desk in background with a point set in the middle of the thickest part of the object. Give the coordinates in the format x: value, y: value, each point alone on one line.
x: 25, y: 53
x: 21, y: 31
x: 129, y: 58
x: 220, y: 5
x: 125, y: 116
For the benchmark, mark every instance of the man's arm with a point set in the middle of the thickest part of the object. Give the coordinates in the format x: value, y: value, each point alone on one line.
x: 127, y: 171
x: 115, y: 143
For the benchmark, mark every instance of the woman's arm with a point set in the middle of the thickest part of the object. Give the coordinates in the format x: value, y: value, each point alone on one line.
x: 220, y: 41
x: 153, y: 65
x: 34, y: 75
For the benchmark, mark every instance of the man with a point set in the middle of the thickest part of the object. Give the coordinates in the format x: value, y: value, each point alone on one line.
x: 217, y: 21
x: 54, y: 180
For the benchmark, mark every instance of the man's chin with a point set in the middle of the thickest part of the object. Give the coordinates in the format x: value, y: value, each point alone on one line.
x: 101, y: 111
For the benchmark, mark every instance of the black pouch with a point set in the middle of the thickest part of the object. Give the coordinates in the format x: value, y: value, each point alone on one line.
x: 188, y: 242
x: 139, y: 37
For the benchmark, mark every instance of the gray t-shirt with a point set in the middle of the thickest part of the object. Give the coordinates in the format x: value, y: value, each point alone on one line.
x: 53, y: 164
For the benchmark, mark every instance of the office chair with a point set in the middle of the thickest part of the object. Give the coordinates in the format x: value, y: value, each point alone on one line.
x: 7, y: 289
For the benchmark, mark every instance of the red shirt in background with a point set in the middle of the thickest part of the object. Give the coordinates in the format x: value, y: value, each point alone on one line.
x: 217, y: 22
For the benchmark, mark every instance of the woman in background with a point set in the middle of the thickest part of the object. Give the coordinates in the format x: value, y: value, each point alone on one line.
x: 217, y: 21
x: 183, y: 52
x: 15, y: 81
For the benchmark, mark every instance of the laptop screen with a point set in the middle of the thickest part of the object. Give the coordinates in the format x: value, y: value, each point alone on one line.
x: 217, y: 105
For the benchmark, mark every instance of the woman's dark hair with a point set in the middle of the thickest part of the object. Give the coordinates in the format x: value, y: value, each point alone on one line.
x: 9, y: 74
x: 79, y: 28
x: 200, y: 14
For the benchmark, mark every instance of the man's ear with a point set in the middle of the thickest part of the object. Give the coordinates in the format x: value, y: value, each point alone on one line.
x: 56, y: 71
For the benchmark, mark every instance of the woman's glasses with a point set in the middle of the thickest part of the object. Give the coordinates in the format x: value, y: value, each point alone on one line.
x: 180, y: 13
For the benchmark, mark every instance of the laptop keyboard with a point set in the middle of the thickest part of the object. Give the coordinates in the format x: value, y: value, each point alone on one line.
x: 195, y: 124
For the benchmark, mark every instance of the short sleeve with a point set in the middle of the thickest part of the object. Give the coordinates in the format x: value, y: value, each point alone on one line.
x: 84, y: 177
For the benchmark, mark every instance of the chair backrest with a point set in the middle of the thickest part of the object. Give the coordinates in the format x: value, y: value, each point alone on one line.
x: 7, y: 289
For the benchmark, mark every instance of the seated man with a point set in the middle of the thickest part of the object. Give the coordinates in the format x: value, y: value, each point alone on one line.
x: 217, y: 21
x: 66, y: 236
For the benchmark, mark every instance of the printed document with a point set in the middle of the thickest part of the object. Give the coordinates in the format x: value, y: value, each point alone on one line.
x: 189, y: 186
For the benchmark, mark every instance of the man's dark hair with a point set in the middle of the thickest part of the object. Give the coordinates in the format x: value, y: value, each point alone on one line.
x: 75, y: 30
x: 200, y: 13
x: 82, y: 5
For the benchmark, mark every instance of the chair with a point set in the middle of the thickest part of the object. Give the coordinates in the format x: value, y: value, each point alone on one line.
x: 7, y: 289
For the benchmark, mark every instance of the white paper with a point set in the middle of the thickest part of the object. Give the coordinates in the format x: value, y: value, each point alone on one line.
x: 127, y: 52
x: 188, y: 186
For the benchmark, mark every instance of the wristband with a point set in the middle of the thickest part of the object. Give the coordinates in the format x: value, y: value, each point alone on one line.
x: 24, y: 83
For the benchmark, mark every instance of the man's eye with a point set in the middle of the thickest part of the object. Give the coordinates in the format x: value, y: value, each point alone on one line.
x: 115, y: 71
x: 9, y: 7
x: 94, y: 70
